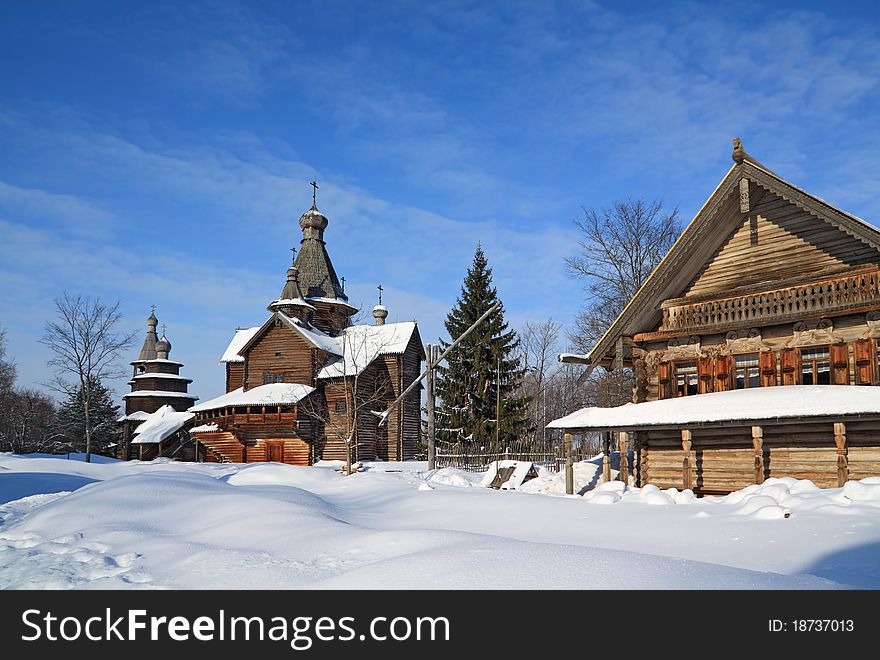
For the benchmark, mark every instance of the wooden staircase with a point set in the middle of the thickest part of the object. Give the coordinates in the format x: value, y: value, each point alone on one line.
x: 221, y: 447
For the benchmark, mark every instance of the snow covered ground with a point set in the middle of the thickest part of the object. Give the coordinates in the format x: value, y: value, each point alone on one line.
x: 68, y: 524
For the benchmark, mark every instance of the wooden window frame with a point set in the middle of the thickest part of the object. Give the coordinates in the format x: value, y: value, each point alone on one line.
x: 734, y: 370
x: 802, y: 361
x: 674, y: 378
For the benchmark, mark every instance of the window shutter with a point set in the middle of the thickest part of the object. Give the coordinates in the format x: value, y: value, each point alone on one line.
x: 767, y: 364
x: 722, y: 373
x: 704, y: 368
x: 862, y: 349
x: 663, y: 380
x: 789, y: 359
x: 839, y: 363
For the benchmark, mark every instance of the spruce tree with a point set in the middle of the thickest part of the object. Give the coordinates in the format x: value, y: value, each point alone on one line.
x: 71, y: 424
x: 467, y: 383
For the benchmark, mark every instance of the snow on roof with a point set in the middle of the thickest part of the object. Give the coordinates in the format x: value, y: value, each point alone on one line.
x: 317, y: 338
x: 364, y: 343
x: 205, y: 428
x: 160, y: 393
x: 271, y: 394
x: 291, y: 301
x: 336, y: 301
x: 158, y: 361
x: 161, y: 425
x: 239, y: 339
x: 160, y: 375
x: 136, y: 416
x: 751, y: 404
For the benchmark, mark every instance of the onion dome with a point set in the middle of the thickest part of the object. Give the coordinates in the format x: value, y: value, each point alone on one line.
x: 313, y: 223
x: 380, y: 313
x: 163, y: 347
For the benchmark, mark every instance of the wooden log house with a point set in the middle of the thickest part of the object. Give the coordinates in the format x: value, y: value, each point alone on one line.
x: 768, y: 287
x: 155, y: 384
x: 303, y: 386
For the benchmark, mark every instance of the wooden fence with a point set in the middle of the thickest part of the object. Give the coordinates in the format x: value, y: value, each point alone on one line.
x: 480, y: 461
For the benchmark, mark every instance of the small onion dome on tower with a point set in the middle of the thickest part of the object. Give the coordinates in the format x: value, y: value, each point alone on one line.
x: 380, y: 313
x: 313, y: 223
x: 163, y: 347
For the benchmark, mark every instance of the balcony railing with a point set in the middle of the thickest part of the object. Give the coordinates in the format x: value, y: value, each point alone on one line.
x: 829, y: 296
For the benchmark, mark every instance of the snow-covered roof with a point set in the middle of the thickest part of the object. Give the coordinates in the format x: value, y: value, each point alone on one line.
x: 760, y: 403
x: 334, y: 301
x: 158, y: 361
x: 290, y: 301
x: 317, y: 338
x: 161, y: 375
x: 136, y: 416
x: 161, y: 425
x: 205, y: 428
x: 160, y: 393
x: 271, y: 394
x: 239, y: 339
x: 364, y: 343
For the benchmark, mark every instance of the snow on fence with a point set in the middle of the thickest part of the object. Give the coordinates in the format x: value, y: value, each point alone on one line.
x: 480, y: 462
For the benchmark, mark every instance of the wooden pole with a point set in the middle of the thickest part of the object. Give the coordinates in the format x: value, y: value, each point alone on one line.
x: 686, y: 443
x: 498, y: 405
x: 606, y: 460
x: 842, y: 463
x: 431, y: 401
x: 569, y: 465
x: 758, y: 444
x: 383, y: 416
x: 622, y: 439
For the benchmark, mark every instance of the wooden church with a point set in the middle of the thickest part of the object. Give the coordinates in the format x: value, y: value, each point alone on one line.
x: 768, y: 288
x: 304, y: 385
x: 159, y: 397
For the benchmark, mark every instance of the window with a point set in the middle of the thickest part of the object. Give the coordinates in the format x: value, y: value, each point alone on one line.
x: 686, y: 379
x: 746, y: 372
x: 340, y: 405
x: 269, y: 378
x: 815, y: 366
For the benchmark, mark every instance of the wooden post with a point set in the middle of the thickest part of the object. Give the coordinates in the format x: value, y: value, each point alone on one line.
x: 606, y: 460
x: 758, y: 444
x: 569, y: 465
x: 686, y: 443
x: 429, y: 396
x: 622, y: 440
x: 842, y: 463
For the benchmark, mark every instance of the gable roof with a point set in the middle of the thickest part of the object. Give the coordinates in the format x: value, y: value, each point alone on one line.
x: 271, y: 394
x: 241, y: 337
x: 364, y: 343
x: 161, y: 425
x: 683, y: 261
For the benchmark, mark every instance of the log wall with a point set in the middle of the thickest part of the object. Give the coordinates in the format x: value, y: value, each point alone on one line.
x: 279, y: 350
x: 723, y: 459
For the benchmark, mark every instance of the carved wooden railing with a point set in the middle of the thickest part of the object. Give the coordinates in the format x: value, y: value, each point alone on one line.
x: 821, y: 297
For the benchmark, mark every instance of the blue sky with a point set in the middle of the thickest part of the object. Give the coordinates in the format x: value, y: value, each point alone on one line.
x: 159, y: 153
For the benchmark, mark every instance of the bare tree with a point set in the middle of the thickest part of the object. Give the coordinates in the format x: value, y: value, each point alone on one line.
x: 7, y: 393
x: 365, y: 390
x: 539, y: 346
x: 618, y: 249
x: 86, y: 347
x: 31, y: 415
